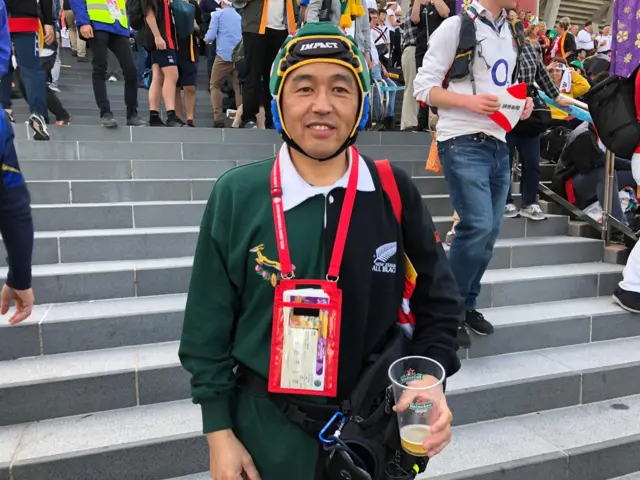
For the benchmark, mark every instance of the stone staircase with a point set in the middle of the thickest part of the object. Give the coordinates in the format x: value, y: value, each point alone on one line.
x: 91, y: 387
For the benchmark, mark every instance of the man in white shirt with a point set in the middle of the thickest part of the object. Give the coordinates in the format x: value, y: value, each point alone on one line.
x: 585, y: 38
x: 472, y: 147
x: 604, y: 42
x: 393, y: 22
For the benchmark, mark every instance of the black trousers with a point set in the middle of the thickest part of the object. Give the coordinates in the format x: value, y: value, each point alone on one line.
x: 100, y: 44
x: 259, y: 51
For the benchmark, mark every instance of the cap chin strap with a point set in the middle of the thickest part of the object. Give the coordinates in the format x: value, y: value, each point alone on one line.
x: 350, y: 141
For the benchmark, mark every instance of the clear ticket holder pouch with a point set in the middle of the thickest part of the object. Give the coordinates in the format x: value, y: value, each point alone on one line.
x: 305, y: 338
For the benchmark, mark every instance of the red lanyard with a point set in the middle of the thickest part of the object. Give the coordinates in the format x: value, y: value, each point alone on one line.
x: 286, y: 269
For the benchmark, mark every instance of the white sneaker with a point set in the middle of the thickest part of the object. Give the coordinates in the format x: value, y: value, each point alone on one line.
x: 113, y: 79
x: 533, y: 212
x: 511, y: 211
x: 54, y: 88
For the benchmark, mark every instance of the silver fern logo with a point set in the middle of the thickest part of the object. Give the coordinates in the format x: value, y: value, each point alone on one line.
x: 382, y: 256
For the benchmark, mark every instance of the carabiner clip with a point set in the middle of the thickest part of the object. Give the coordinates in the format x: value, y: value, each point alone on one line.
x: 338, y: 416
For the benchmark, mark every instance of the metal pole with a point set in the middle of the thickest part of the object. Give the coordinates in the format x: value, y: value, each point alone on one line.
x: 608, y: 195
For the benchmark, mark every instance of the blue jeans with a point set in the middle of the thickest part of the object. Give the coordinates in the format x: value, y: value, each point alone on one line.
x: 528, y: 147
x: 477, y: 172
x: 391, y: 108
x: 31, y: 74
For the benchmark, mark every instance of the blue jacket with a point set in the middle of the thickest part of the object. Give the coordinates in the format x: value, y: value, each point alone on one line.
x: 16, y: 225
x: 79, y: 8
x: 5, y: 40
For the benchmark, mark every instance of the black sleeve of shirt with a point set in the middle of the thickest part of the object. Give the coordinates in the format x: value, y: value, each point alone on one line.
x: 436, y: 301
x: 570, y: 43
x: 46, y: 9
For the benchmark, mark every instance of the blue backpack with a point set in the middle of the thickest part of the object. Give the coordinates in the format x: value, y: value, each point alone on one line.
x: 184, y: 14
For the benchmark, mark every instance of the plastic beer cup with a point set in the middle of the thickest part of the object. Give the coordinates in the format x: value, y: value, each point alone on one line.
x: 417, y: 391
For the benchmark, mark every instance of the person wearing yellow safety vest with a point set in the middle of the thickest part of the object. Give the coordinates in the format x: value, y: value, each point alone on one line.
x: 105, y: 26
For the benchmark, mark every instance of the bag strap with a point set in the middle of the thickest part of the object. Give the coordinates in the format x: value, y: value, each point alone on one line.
x: 389, y: 185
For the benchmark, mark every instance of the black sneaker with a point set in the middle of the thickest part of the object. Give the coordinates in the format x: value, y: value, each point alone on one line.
x: 136, y: 121
x: 10, y: 116
x: 630, y: 301
x: 39, y: 127
x: 156, y: 122
x: 108, y: 121
x: 190, y: 123
x: 477, y: 323
x: 180, y: 121
x: 82, y: 60
x: 218, y: 124
x: 464, y: 340
x: 250, y: 124
x: 174, y: 122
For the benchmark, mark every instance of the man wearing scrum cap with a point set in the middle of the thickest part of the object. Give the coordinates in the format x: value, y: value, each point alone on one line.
x: 472, y: 147
x: 320, y: 88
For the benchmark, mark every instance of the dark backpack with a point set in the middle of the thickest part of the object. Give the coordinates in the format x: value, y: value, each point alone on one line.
x: 613, y: 110
x: 552, y: 143
x: 239, y: 63
x: 462, y: 66
x: 136, y: 15
x: 184, y: 14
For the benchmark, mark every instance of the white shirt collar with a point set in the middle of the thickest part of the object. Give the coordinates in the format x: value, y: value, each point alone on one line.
x: 296, y: 190
x: 488, y: 15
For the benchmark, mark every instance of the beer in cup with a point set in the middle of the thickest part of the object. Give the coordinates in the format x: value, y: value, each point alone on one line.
x: 417, y: 390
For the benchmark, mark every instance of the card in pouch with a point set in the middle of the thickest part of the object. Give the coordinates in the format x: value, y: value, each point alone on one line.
x: 305, y: 343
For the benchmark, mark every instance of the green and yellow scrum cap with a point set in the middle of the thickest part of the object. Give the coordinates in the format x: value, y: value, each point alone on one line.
x: 319, y: 42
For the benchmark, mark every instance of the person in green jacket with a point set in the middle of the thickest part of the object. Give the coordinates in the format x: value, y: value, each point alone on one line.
x: 320, y: 85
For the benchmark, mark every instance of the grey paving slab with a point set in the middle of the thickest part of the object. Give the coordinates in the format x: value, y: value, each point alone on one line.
x: 129, y: 151
x: 50, y: 192
x: 201, y: 189
x: 80, y: 287
x: 49, y: 151
x: 491, y: 449
x: 163, y: 281
x: 183, y: 169
x: 178, y: 135
x: 75, y: 217
x: 98, y: 447
x: 607, y: 326
x: 163, y: 385
x: 112, y: 323
x: 397, y: 152
x: 233, y: 152
x: 509, y: 385
x: 602, y: 438
x: 130, y: 191
x: 608, y: 283
x: 20, y: 340
x: 75, y: 170
x: 431, y: 185
x: 206, y: 476
x: 70, y: 397
x: 133, y: 246
x: 233, y: 135
x: 610, y: 369
x: 402, y: 138
x: 169, y: 215
x: 45, y: 250
x: 75, y: 133
x: 9, y: 440
x: 631, y: 476
x: 556, y: 254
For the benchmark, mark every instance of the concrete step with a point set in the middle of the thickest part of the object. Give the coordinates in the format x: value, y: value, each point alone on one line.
x: 162, y: 440
x: 531, y: 285
x: 94, y: 325
x: 487, y: 388
x: 73, y: 282
x: 108, y: 191
x: 554, y: 324
x: 74, y: 246
x: 585, y: 442
x: 631, y: 476
x: 76, y: 282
